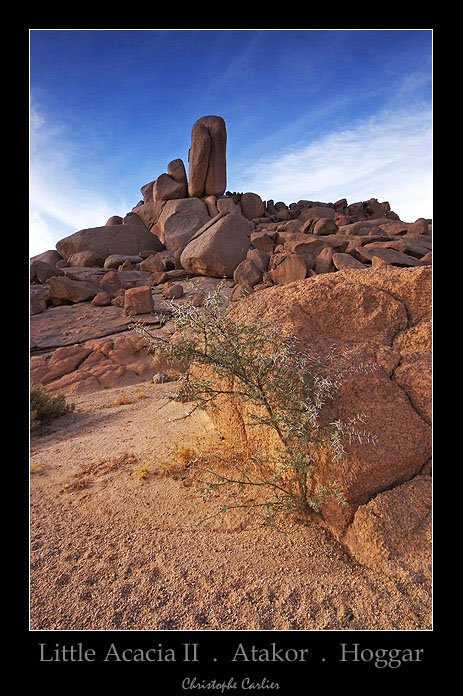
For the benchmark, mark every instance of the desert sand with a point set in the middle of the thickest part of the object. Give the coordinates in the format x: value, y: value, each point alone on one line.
x: 113, y: 551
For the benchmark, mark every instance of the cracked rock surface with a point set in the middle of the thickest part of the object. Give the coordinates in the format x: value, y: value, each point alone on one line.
x: 384, y: 316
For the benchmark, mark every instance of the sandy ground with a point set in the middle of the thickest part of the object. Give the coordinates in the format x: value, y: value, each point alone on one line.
x: 111, y: 551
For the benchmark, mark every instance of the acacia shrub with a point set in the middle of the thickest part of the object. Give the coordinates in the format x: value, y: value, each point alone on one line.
x: 290, y: 387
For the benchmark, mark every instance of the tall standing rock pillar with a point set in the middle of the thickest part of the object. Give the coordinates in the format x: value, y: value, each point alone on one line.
x: 207, y: 158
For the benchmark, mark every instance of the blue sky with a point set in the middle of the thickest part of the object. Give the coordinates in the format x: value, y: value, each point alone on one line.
x: 315, y: 114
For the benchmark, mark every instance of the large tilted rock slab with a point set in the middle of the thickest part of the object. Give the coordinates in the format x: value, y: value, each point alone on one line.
x: 343, y: 261
x: 76, y: 323
x: 395, y: 258
x: 207, y: 157
x: 132, y: 219
x: 65, y: 290
x: 291, y: 267
x: 110, y: 239
x: 218, y: 248
x: 179, y: 220
x: 383, y: 316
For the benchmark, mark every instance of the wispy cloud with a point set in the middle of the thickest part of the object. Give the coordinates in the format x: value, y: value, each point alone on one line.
x: 237, y: 65
x: 388, y: 157
x: 41, y: 234
x: 60, y: 202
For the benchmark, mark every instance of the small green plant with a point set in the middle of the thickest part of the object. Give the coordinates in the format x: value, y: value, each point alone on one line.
x: 288, y: 388
x: 44, y: 407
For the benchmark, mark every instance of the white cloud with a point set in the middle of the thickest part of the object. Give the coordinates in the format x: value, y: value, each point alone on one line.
x: 59, y: 202
x: 57, y: 195
x: 388, y: 157
x: 41, y: 234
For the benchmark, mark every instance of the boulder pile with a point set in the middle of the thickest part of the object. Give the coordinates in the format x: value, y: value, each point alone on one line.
x: 350, y: 274
x: 190, y: 227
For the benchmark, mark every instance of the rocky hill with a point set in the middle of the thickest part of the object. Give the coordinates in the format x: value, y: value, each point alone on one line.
x: 84, y: 291
x: 352, y: 273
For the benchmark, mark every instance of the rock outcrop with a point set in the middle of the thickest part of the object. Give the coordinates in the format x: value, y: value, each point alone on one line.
x: 393, y: 531
x: 353, y: 275
x: 115, y: 355
x: 171, y: 185
x: 207, y: 157
x: 384, y: 316
x: 218, y: 247
x: 116, y: 360
x: 107, y: 240
x: 41, y: 272
x: 51, y: 257
x: 138, y: 301
x: 179, y: 220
